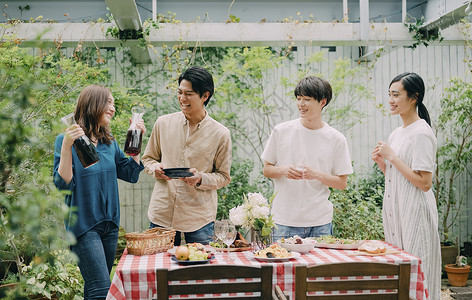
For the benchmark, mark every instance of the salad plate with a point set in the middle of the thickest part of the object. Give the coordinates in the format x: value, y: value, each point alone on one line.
x: 336, y: 243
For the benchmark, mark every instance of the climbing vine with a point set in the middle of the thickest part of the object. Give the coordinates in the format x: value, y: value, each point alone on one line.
x: 421, y: 35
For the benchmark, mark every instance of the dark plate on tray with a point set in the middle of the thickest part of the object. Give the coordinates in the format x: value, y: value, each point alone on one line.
x: 191, y: 262
x: 177, y: 172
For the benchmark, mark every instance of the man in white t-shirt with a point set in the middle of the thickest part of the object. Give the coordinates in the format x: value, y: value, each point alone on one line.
x: 306, y: 157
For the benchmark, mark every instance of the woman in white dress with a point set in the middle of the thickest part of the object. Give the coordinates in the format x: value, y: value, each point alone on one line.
x: 410, y: 216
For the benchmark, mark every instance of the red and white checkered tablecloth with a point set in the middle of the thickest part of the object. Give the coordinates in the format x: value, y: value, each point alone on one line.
x: 135, y: 275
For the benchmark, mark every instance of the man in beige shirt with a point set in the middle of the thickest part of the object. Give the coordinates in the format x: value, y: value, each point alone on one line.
x: 189, y: 138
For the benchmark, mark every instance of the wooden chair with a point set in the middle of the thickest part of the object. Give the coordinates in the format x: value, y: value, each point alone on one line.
x: 167, y: 281
x: 304, y: 282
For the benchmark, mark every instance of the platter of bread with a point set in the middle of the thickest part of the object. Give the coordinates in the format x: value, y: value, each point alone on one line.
x: 373, y: 248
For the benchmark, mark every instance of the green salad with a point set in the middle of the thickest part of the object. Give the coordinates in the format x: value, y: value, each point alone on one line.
x: 329, y: 239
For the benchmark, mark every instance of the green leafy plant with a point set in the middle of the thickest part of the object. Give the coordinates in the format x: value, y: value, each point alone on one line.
x: 233, y: 19
x: 243, y: 92
x: 358, y: 208
x: 31, y: 209
x: 58, y: 278
x: 421, y: 35
x: 454, y: 156
x: 36, y: 90
x: 231, y: 195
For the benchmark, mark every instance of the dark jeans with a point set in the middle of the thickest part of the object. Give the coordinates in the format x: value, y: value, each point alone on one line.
x: 203, y: 235
x: 96, y: 251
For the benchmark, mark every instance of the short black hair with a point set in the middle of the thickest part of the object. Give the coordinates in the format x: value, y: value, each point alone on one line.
x: 315, y: 87
x: 201, y: 80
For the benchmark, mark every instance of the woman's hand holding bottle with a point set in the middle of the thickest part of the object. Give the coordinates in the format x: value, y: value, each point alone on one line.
x: 73, y: 132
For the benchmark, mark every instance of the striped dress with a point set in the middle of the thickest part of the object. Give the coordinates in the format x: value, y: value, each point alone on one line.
x: 410, y: 216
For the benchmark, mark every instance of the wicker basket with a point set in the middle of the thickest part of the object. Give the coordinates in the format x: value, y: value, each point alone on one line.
x: 151, y: 241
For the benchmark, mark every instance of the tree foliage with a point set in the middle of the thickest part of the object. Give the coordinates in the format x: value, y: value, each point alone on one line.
x: 454, y: 156
x: 36, y: 90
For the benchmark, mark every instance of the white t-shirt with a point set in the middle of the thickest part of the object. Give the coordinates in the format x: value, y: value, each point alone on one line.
x: 304, y: 203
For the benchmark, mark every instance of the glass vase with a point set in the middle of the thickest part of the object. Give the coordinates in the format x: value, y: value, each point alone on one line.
x: 260, y: 241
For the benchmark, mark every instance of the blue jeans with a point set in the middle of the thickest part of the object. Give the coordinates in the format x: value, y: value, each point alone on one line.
x: 283, y: 231
x: 96, y: 251
x: 203, y: 235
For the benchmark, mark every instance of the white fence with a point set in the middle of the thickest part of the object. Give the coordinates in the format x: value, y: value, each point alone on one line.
x: 436, y: 64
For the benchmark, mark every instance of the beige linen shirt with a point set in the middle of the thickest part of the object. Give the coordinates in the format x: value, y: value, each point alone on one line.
x: 173, y: 203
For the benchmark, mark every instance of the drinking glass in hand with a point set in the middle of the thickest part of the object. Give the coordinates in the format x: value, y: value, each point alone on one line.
x: 299, y: 164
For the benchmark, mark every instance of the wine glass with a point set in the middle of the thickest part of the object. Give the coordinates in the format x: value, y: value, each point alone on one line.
x: 220, y: 229
x: 226, y: 232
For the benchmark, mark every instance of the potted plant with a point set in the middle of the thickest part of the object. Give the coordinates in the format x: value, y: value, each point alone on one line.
x: 454, y: 131
x: 458, y: 273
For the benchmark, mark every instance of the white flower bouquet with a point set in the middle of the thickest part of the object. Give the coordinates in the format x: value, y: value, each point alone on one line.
x: 254, y: 213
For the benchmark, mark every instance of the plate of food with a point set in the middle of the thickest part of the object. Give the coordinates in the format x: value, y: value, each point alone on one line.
x: 192, y: 262
x: 373, y: 248
x: 177, y: 172
x: 275, y: 253
x: 328, y: 241
x: 297, y: 244
x: 191, y: 254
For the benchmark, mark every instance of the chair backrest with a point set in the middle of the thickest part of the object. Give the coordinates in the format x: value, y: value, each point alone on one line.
x: 256, y: 280
x: 395, y: 286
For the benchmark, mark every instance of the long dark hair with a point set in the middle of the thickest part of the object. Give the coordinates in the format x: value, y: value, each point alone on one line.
x: 414, y: 87
x: 92, y: 104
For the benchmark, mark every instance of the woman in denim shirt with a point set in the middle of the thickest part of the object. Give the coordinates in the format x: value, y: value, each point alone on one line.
x: 94, y: 217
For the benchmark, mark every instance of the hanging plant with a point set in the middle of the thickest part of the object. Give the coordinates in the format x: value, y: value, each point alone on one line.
x: 421, y: 35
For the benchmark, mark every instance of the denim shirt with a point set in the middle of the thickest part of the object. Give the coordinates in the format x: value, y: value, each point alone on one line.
x: 94, y: 194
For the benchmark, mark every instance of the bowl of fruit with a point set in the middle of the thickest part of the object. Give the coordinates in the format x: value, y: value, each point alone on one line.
x: 191, y: 254
x: 297, y: 244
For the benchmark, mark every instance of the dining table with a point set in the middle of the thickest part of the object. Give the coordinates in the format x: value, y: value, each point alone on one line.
x: 135, y: 276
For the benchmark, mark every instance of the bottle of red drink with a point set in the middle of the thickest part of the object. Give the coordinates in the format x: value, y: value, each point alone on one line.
x: 134, y: 136
x: 84, y: 148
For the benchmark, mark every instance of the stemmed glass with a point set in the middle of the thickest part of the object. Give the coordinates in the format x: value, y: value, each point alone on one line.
x: 226, y: 232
